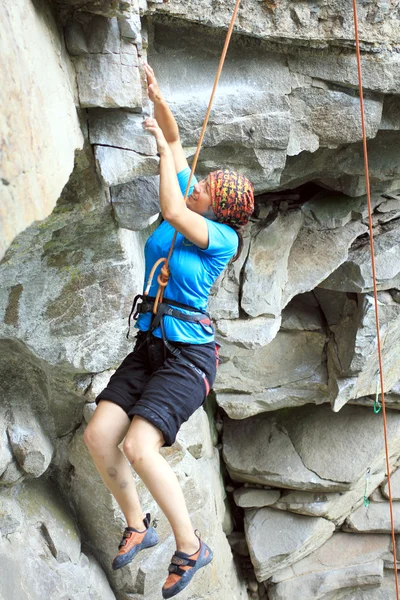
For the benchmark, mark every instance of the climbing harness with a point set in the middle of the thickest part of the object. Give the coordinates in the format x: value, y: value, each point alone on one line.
x: 371, y: 241
x: 168, y: 308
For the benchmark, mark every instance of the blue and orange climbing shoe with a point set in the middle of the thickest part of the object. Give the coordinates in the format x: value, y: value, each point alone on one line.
x: 133, y: 541
x: 182, y: 568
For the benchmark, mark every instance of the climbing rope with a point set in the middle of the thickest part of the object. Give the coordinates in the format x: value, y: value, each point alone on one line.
x: 371, y: 242
x: 163, y: 277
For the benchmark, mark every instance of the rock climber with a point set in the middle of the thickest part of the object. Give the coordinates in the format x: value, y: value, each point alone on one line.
x: 173, y: 364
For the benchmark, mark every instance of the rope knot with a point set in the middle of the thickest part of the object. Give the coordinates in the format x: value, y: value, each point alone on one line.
x: 163, y: 277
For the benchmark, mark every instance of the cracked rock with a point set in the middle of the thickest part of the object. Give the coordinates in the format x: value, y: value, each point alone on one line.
x: 277, y: 540
x: 344, y: 562
x: 309, y: 448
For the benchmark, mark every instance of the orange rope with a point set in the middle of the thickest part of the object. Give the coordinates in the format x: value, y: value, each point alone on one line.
x: 371, y: 241
x: 164, y: 275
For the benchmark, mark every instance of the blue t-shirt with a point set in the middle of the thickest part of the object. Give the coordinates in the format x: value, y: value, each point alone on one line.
x: 192, y: 272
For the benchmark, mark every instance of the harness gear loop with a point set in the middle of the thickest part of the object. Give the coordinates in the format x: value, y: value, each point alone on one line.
x: 371, y: 242
x: 165, y: 278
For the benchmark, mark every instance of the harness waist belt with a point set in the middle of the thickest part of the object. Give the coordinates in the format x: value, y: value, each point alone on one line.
x: 166, y: 307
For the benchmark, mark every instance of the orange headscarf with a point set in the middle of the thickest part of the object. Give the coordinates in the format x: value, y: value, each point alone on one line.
x: 232, y: 197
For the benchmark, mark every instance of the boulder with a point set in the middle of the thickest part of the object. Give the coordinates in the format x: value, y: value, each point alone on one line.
x: 266, y: 268
x: 26, y: 418
x: 309, y: 260
x: 248, y: 333
x: 223, y: 301
x: 39, y: 405
x: 277, y: 540
x: 130, y: 26
x: 30, y: 446
x: 332, y: 506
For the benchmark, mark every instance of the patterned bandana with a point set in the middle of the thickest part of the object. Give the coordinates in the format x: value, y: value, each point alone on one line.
x: 232, y: 197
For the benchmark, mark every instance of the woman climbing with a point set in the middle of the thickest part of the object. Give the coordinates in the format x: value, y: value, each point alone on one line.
x: 173, y: 365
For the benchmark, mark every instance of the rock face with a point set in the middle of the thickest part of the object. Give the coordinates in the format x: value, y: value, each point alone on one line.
x: 292, y: 448
x: 52, y: 564
x: 299, y: 117
x: 355, y: 274
x: 57, y: 317
x: 353, y: 346
x: 344, y: 564
x: 291, y: 413
x: 39, y: 125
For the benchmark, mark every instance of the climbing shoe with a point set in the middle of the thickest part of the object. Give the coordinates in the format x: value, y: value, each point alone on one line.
x: 133, y: 541
x: 182, y: 568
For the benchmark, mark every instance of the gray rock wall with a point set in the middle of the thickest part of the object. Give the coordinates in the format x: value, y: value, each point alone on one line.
x: 39, y: 128
x: 290, y: 423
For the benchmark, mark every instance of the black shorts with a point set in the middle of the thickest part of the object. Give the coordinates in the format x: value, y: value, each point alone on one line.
x: 162, y: 389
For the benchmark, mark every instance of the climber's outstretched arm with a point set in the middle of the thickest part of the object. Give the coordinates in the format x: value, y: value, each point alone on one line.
x: 166, y: 120
x: 187, y: 221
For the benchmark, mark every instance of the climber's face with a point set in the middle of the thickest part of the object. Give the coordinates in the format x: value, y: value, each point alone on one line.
x: 200, y: 199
